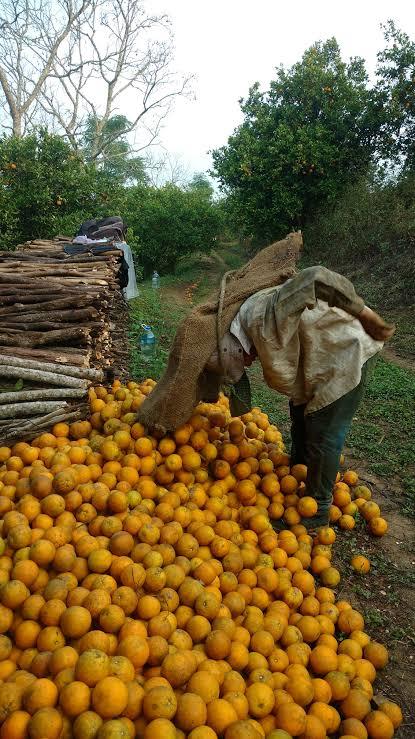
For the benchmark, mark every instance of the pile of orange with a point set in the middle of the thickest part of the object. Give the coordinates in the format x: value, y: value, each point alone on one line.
x: 144, y: 592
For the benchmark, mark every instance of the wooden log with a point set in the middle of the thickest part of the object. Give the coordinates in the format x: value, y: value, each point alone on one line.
x: 85, y: 374
x: 47, y: 393
x: 36, y: 375
x: 64, y: 316
x: 30, y: 430
x: 18, y: 308
x: 44, y: 326
x: 21, y: 338
x: 61, y: 355
x: 21, y: 410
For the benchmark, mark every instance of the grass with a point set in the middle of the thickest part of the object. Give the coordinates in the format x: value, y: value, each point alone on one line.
x: 163, y: 316
x: 383, y: 430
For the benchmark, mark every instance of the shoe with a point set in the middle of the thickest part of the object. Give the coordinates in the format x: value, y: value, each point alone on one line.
x: 316, y: 522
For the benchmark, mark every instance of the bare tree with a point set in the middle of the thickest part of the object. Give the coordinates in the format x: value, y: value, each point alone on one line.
x: 165, y: 168
x: 111, y: 58
x: 33, y: 33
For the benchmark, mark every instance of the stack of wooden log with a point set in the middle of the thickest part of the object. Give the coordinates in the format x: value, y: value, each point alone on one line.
x: 63, y: 324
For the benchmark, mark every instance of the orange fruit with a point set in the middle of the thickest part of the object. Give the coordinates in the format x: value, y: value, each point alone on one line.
x: 220, y: 715
x: 379, y: 725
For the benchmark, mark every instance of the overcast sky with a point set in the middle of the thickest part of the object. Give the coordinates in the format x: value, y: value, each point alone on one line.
x: 230, y: 44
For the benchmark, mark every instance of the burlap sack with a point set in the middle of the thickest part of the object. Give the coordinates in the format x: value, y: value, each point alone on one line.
x: 184, y: 382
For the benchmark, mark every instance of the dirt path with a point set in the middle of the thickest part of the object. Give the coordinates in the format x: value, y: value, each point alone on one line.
x: 391, y: 356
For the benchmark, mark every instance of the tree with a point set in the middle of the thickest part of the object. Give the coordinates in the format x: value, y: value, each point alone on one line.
x: 301, y: 142
x: 116, y: 158
x: 201, y: 183
x: 170, y: 222
x: 33, y: 35
x: 396, y: 87
x: 46, y: 188
x: 73, y: 61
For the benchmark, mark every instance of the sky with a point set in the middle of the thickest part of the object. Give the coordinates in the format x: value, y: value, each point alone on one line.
x: 230, y: 44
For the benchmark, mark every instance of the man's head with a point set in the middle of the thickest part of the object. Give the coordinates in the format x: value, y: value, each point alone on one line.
x: 232, y: 360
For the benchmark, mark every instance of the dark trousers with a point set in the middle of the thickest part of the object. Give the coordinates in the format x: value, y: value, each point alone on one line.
x: 318, y: 439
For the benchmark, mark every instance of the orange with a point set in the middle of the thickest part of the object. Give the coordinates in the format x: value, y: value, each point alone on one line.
x: 205, y: 685
x: 377, y: 654
x: 360, y: 564
x: 47, y: 722
x: 74, y: 698
x: 393, y: 711
x: 378, y: 526
x: 159, y: 702
x: 220, y: 715
x: 350, y: 620
x: 339, y: 684
x: 16, y: 725
x: 291, y: 718
x: 328, y: 716
x: 109, y: 697
x: 160, y: 728
x: 315, y: 728
x: 260, y: 700
x: 191, y: 712
x: 354, y: 728
x: 40, y: 694
x: 355, y: 705
x: 379, y: 725
x: 323, y: 660
x: 301, y: 690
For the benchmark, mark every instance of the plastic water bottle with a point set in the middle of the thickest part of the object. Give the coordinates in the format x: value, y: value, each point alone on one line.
x: 147, y: 343
x: 155, y: 281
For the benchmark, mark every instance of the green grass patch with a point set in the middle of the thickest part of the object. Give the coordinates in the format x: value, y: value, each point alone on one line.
x: 383, y: 430
x: 164, y: 317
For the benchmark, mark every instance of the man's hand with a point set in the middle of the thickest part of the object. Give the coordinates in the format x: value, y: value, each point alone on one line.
x: 375, y: 326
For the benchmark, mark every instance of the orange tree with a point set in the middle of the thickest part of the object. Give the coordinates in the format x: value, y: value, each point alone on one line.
x: 47, y: 188
x: 301, y: 142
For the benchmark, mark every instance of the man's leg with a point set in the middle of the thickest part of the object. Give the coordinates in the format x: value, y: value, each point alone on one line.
x: 326, y: 431
x: 298, y: 449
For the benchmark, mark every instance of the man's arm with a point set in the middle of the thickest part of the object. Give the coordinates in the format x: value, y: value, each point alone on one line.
x: 375, y: 326
x: 314, y: 283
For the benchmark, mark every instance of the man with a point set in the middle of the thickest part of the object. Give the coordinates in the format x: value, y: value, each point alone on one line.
x: 317, y: 342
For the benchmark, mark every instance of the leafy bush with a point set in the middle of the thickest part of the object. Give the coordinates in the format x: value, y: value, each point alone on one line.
x: 170, y: 223
x: 370, y: 232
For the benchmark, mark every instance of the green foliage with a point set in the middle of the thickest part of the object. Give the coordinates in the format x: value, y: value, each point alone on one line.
x: 301, y: 142
x: 200, y: 183
x: 170, y: 223
x: 373, y: 223
x: 369, y: 235
x: 396, y: 87
x: 46, y: 188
